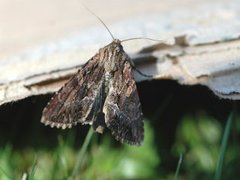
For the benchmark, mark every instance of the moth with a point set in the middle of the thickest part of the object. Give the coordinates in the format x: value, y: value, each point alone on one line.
x: 102, y: 93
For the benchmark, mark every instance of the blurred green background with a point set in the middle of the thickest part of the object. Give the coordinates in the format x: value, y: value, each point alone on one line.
x: 187, y: 120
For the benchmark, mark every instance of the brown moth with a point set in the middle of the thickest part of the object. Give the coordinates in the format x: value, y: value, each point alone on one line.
x: 102, y: 93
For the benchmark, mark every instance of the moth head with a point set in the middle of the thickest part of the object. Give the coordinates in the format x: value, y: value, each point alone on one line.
x: 115, y: 45
x: 116, y: 41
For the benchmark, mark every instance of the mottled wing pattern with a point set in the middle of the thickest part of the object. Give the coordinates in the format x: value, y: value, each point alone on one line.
x: 78, y: 100
x: 122, y: 108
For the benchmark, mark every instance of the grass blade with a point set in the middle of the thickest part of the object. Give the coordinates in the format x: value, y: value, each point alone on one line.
x: 178, y: 167
x: 5, y: 173
x: 33, y: 169
x: 223, y: 147
x: 82, y: 152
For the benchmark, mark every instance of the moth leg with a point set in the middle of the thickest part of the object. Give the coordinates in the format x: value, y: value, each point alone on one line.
x: 99, y: 124
x: 137, y: 70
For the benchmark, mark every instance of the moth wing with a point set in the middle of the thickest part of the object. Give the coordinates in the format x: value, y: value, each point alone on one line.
x: 122, y: 108
x: 76, y: 100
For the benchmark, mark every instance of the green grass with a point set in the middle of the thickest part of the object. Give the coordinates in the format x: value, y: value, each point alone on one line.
x: 33, y: 169
x: 90, y: 161
x: 82, y: 152
x: 198, y: 138
x: 178, y: 167
x: 223, y: 148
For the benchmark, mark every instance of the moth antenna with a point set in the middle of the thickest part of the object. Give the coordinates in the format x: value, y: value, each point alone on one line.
x: 99, y: 20
x: 130, y: 39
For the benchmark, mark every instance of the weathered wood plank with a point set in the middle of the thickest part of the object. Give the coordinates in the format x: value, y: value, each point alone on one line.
x: 200, y: 48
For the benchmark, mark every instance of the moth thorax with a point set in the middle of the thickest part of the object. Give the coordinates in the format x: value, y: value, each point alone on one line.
x: 110, y: 66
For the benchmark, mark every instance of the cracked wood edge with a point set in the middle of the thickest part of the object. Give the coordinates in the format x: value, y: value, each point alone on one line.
x: 215, y: 65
